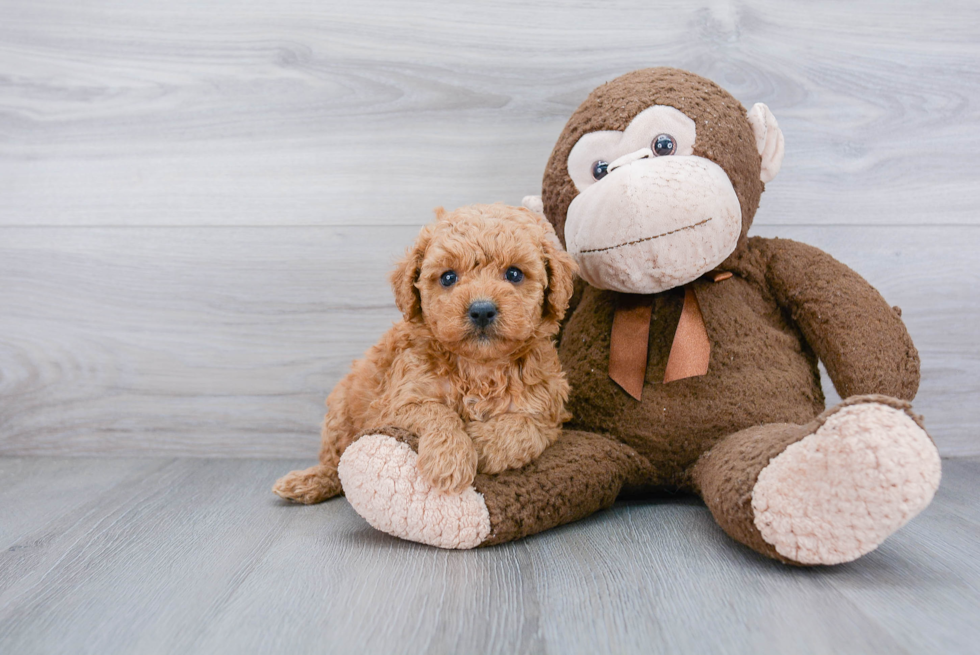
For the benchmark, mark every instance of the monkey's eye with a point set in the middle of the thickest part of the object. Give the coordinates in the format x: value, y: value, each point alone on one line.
x: 448, y: 279
x: 599, y: 169
x: 662, y: 145
x: 514, y: 274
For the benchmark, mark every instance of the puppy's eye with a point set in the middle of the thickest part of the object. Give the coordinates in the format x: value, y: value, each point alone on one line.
x: 599, y: 169
x: 663, y: 145
x: 448, y: 279
x: 514, y: 274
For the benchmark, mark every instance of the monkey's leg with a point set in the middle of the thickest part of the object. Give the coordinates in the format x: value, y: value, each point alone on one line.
x: 826, y: 492
x: 576, y: 476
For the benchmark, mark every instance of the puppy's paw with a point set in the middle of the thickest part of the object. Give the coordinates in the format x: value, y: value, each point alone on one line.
x: 447, y: 461
x: 310, y: 486
x: 509, y: 442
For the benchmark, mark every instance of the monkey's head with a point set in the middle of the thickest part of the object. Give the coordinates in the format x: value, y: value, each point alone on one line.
x: 656, y: 178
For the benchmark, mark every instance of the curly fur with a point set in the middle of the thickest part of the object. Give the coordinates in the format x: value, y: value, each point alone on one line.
x: 480, y: 400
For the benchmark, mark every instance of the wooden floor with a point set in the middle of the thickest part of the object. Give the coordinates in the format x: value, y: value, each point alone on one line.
x: 196, y: 556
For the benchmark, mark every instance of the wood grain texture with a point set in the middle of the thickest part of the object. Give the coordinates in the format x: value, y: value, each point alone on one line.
x: 199, y: 200
x: 338, y: 113
x: 36, y: 492
x: 225, y: 341
x: 197, y: 556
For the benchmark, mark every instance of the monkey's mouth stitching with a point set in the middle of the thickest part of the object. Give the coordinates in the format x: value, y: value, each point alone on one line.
x: 656, y: 236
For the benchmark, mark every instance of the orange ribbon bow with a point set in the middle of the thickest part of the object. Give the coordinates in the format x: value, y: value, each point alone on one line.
x: 689, y: 352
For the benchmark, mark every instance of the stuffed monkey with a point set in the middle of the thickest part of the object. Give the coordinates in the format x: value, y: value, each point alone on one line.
x: 691, y: 350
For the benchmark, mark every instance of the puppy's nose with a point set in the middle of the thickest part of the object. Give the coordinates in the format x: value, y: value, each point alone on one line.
x: 482, y: 313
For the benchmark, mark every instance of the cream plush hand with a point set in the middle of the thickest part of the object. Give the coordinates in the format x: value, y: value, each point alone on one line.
x: 383, y: 484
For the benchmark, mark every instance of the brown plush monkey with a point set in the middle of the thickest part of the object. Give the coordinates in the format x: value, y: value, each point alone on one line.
x: 692, y: 350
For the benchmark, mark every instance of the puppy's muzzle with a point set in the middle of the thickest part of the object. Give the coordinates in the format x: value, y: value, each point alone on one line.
x: 482, y: 313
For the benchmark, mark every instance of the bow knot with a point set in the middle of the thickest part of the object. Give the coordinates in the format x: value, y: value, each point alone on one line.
x: 689, y: 351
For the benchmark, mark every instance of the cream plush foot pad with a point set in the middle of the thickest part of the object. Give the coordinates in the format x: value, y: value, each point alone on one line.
x: 838, y: 493
x: 382, y: 483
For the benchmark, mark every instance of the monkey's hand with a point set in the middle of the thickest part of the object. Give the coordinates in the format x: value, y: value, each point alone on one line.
x: 509, y: 441
x: 447, y: 459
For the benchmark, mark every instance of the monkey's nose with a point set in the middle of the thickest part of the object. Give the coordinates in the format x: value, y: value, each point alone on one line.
x: 482, y: 313
x: 629, y: 158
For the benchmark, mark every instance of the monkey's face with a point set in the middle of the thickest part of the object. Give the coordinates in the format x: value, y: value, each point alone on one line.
x: 656, y: 179
x: 650, y: 215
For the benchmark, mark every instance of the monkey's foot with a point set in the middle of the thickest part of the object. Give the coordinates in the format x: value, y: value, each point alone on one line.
x: 381, y: 480
x: 839, y: 492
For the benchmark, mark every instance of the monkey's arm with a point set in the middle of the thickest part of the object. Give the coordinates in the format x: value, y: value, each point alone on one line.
x: 858, y: 336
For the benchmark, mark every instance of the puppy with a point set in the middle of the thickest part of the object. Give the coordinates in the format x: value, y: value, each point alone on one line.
x: 472, y: 369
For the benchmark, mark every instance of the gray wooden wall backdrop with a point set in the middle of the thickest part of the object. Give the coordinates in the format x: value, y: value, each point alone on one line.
x: 200, y: 199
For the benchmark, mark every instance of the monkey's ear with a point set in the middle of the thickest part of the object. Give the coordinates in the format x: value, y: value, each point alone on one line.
x: 406, y: 274
x: 561, y: 270
x: 768, y: 140
x: 534, y: 204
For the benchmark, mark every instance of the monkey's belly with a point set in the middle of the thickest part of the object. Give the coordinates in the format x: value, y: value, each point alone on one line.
x: 760, y: 371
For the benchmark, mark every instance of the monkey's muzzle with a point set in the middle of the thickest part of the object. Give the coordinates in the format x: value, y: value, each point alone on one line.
x: 653, y: 223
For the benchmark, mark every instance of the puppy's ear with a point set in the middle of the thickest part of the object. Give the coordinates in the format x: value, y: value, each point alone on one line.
x: 406, y: 274
x: 561, y: 277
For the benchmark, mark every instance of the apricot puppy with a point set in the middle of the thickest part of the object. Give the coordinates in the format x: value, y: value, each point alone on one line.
x: 472, y: 368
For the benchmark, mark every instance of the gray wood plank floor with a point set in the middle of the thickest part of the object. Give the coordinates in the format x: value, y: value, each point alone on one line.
x: 196, y: 556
